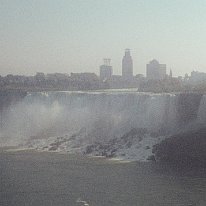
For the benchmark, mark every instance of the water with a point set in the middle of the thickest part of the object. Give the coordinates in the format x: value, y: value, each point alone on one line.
x: 40, y: 178
x: 103, y: 115
x: 52, y: 179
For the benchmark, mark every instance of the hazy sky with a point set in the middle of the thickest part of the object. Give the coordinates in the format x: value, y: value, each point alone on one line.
x: 75, y: 35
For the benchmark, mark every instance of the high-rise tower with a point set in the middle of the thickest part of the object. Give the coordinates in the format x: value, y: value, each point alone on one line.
x: 127, y: 65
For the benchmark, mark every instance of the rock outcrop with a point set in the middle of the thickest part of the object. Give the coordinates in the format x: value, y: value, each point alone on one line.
x: 186, y: 149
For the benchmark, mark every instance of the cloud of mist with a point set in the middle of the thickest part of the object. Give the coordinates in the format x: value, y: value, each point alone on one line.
x: 102, y: 116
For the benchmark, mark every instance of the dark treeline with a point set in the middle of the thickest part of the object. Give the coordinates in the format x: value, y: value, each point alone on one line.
x: 90, y: 81
x: 51, y: 82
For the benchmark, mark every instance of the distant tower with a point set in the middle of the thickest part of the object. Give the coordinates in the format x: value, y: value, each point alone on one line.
x: 170, y: 73
x: 106, y: 70
x: 127, y: 65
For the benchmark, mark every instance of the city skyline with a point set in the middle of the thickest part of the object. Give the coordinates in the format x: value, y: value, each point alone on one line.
x: 74, y: 36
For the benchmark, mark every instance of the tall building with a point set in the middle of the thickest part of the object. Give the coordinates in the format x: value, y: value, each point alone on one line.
x: 155, y: 70
x: 106, y: 70
x: 127, y: 65
x: 170, y: 73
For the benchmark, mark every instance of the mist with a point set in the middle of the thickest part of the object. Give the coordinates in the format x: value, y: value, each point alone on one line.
x: 101, y: 116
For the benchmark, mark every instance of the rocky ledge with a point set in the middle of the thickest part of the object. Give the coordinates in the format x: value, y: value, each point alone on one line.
x: 186, y: 149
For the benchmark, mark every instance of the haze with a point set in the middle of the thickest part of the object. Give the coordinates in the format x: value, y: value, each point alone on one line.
x: 74, y: 36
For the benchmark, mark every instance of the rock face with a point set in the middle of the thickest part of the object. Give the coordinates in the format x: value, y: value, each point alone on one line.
x: 133, y: 145
x: 122, y: 144
x: 187, y: 148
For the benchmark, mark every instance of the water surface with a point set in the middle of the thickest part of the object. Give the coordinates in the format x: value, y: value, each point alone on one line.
x: 47, y: 179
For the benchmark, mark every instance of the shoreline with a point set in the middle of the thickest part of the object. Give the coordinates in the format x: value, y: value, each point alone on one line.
x: 15, y: 149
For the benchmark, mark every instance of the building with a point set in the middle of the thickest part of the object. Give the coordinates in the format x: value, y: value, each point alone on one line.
x: 197, y: 77
x: 127, y: 65
x: 106, y: 70
x: 170, y: 73
x: 155, y: 70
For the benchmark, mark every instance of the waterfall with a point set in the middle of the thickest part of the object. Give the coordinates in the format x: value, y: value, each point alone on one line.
x: 201, y: 115
x: 101, y: 116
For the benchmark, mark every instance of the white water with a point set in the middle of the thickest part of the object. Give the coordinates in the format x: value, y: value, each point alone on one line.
x: 84, y: 118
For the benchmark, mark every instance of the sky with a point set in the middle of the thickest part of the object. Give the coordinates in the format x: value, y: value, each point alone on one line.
x: 75, y: 35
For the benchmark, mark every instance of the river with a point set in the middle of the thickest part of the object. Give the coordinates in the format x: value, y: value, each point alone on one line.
x: 33, y: 178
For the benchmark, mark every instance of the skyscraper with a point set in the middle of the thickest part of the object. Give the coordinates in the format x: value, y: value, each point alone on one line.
x: 127, y: 65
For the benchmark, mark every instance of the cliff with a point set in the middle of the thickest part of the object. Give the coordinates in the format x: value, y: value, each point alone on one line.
x: 183, y: 149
